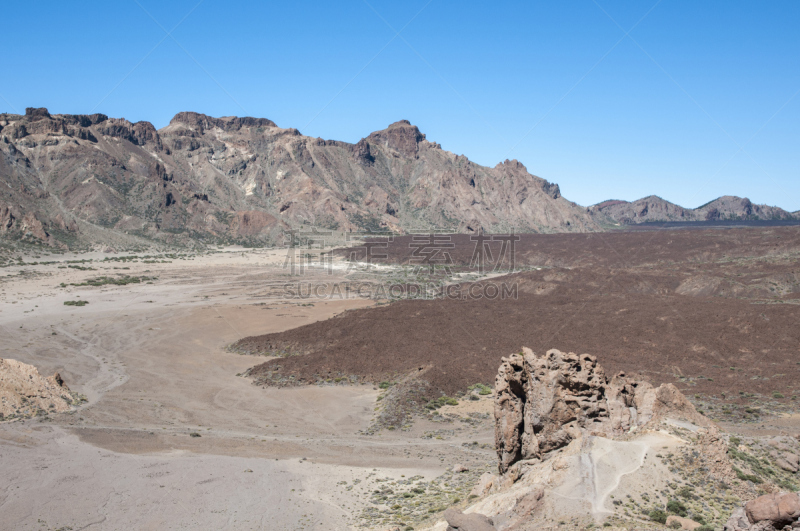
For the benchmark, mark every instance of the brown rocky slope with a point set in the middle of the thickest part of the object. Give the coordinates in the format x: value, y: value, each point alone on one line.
x: 79, y: 178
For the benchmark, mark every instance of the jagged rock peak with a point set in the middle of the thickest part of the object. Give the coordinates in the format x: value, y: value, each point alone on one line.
x: 512, y: 164
x: 515, y: 167
x: 34, y: 113
x: 226, y: 123
x: 401, y: 136
x: 402, y: 123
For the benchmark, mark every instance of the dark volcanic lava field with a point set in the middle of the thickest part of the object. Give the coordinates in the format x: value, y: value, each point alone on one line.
x: 713, y: 311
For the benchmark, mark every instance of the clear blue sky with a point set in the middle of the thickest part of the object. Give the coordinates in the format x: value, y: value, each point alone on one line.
x: 700, y: 100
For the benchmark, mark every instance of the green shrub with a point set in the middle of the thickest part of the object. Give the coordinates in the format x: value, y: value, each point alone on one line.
x: 747, y: 477
x: 676, y: 507
x: 436, y: 403
x: 657, y: 515
x: 482, y: 389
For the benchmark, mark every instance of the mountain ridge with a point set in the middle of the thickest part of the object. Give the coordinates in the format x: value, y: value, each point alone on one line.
x: 78, y: 180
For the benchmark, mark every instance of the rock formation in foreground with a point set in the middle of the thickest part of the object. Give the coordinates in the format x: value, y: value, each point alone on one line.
x: 544, y: 402
x: 579, y: 449
x: 25, y: 393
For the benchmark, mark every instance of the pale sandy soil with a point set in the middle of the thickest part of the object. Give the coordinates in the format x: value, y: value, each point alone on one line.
x: 151, y: 360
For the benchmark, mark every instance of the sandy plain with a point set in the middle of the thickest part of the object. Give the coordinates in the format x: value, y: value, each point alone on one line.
x: 171, y: 436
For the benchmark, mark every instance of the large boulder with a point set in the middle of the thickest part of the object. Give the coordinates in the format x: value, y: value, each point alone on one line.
x: 779, y: 509
x: 458, y: 521
x: 544, y: 402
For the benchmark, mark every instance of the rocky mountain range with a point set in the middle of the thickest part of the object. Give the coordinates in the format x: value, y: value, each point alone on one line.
x: 74, y: 180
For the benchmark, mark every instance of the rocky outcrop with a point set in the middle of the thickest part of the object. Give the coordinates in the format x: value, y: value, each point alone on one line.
x: 674, y: 521
x: 362, y: 154
x: 139, y: 133
x: 766, y: 513
x: 401, y: 137
x: 84, y: 120
x: 203, y: 122
x: 33, y: 227
x: 34, y: 114
x: 6, y: 218
x: 544, y: 402
x: 458, y: 521
x: 24, y: 392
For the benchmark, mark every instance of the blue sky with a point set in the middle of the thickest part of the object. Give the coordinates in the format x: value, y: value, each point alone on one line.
x: 698, y: 100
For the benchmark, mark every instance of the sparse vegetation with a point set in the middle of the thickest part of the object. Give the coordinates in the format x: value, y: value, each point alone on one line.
x: 482, y: 389
x: 118, y: 281
x: 436, y: 403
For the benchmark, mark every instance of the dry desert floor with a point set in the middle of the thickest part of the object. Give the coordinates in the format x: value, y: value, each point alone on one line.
x: 171, y: 436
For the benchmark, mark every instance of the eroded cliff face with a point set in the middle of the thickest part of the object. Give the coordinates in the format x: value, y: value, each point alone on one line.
x: 205, y: 176
x: 542, y: 403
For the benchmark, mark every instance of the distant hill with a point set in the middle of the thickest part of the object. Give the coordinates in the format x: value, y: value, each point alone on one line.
x: 656, y: 209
